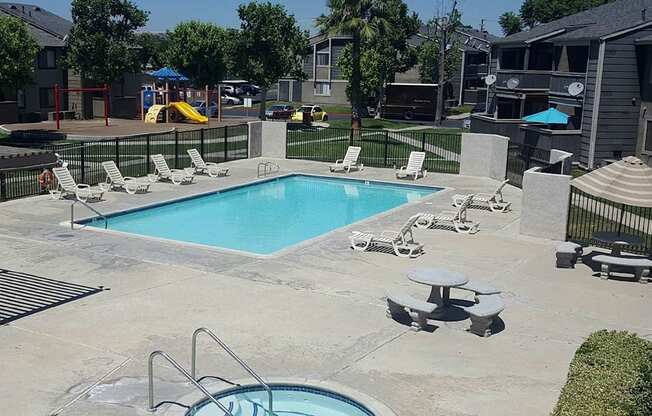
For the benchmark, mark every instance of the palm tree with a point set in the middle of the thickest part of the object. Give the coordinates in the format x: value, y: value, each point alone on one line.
x: 362, y: 20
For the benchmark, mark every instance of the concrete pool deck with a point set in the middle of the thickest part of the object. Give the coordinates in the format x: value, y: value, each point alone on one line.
x: 315, y: 312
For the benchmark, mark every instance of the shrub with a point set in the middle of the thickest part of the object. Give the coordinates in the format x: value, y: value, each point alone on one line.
x: 610, y: 375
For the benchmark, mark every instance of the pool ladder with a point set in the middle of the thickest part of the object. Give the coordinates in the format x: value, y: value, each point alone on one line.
x: 98, y: 213
x: 267, y: 168
x: 192, y: 376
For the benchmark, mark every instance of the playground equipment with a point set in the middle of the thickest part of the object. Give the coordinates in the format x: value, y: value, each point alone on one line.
x: 181, y: 107
x: 57, y: 100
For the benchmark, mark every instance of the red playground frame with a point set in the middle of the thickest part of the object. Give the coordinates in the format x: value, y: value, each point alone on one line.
x: 57, y: 96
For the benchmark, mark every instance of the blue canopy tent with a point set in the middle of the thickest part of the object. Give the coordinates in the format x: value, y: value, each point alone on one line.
x: 550, y: 116
x: 168, y: 74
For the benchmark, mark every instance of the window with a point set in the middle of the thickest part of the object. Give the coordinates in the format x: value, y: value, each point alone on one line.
x: 323, y: 88
x: 20, y: 98
x: 46, y: 97
x: 648, y: 137
x: 317, y: 110
x: 323, y: 59
x: 47, y: 59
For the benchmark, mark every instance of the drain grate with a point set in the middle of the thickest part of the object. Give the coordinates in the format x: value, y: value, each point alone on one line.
x: 23, y: 294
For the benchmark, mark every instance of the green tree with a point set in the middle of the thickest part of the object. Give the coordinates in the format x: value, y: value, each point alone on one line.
x: 534, y: 12
x: 152, y: 49
x: 100, y: 43
x: 428, y: 59
x: 385, y: 54
x: 269, y: 45
x: 362, y: 20
x: 17, y: 54
x: 199, y: 51
x: 510, y: 23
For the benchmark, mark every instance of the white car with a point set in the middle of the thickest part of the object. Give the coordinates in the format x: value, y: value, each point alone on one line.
x: 229, y: 99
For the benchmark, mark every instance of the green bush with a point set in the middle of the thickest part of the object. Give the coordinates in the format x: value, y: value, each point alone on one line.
x: 610, y: 375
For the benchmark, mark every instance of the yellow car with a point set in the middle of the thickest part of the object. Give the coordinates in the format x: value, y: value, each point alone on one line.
x: 317, y: 113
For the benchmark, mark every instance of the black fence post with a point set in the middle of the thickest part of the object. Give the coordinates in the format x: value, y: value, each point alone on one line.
x: 351, y: 138
x: 226, y: 142
x: 3, y: 186
x: 82, y: 160
x: 201, y: 142
x: 148, y: 152
x: 117, y: 152
x: 386, y: 146
x: 176, y: 149
x: 423, y: 141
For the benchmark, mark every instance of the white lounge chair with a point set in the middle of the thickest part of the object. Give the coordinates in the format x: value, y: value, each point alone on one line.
x: 414, y: 167
x: 402, y: 241
x: 494, y: 201
x: 115, y: 180
x: 349, y: 162
x: 66, y: 186
x: 456, y: 219
x: 163, y: 171
x: 211, y: 169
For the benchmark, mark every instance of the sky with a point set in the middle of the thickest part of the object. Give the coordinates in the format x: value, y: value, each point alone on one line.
x: 164, y: 14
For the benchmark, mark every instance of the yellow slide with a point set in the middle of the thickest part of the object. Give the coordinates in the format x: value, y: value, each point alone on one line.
x: 153, y: 112
x: 188, y: 112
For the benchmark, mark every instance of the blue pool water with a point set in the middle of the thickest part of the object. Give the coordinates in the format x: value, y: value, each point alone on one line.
x: 288, y: 400
x: 265, y: 217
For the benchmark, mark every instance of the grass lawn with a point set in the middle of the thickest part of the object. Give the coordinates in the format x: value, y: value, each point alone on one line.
x: 463, y: 109
x: 3, y: 135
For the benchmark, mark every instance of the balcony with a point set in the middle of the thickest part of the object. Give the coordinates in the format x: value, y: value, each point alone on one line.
x: 527, y: 80
x: 559, y: 82
x: 475, y: 70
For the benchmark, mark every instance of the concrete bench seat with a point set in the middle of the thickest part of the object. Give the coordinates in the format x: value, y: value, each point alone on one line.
x: 640, y: 265
x: 567, y: 254
x: 483, y: 313
x: 479, y: 288
x: 418, y: 310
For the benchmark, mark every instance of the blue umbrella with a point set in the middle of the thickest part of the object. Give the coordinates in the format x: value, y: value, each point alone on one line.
x: 169, y: 74
x: 550, y: 116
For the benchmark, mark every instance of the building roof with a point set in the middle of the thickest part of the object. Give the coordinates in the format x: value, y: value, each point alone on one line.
x: 594, y: 23
x: 472, y: 39
x: 36, y: 16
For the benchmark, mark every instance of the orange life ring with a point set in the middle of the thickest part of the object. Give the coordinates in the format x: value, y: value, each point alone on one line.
x: 46, y: 179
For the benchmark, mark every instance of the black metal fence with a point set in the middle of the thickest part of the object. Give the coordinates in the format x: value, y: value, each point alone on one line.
x: 521, y: 157
x: 132, y: 155
x: 589, y: 214
x: 380, y: 148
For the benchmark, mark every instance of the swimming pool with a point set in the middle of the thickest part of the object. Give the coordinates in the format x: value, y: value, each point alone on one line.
x: 289, y: 400
x: 265, y: 217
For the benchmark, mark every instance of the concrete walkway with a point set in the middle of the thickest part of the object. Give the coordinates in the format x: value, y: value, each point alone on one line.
x: 314, y: 312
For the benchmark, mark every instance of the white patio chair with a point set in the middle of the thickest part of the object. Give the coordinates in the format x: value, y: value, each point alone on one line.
x: 163, y: 172
x: 66, y: 186
x: 211, y: 169
x: 414, y: 167
x: 349, y: 162
x: 115, y: 180
x: 494, y: 201
x: 455, y: 219
x: 402, y: 241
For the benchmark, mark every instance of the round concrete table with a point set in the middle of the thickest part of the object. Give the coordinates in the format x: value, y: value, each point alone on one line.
x: 440, y: 281
x: 617, y: 240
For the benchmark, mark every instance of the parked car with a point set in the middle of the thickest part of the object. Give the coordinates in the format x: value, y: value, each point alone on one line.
x: 249, y: 89
x: 279, y: 112
x: 200, y: 106
x: 317, y: 113
x: 229, y: 99
x: 228, y: 90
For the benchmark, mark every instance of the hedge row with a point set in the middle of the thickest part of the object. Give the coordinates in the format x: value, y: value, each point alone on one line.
x: 610, y: 375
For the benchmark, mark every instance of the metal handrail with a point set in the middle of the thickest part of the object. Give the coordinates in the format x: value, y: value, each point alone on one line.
x: 72, y: 214
x: 273, y: 167
x: 152, y: 407
x: 193, y: 364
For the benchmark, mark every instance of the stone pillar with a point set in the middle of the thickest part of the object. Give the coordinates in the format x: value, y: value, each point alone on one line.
x: 484, y: 155
x: 544, y: 211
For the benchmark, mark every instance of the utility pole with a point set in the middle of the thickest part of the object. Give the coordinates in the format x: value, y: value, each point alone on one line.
x: 482, y: 25
x: 445, y: 24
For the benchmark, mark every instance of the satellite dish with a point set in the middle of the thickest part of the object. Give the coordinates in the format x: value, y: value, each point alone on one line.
x: 490, y: 80
x: 575, y: 89
x: 513, y: 83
